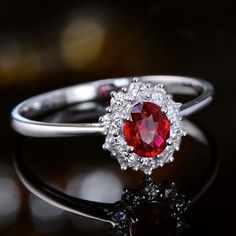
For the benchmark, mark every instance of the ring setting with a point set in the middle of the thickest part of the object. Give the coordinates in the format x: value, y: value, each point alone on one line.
x: 143, y: 126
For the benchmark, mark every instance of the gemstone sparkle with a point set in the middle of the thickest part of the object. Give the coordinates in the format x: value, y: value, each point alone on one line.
x: 148, y: 130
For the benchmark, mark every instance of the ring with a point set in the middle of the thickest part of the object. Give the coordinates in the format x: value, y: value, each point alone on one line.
x: 127, y: 216
x: 143, y: 125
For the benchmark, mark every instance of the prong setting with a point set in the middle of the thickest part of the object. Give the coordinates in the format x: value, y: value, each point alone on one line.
x: 118, y: 113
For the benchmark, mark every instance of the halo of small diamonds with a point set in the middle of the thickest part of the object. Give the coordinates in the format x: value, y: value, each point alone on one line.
x: 121, y: 104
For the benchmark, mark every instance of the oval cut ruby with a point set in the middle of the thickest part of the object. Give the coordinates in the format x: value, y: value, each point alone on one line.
x: 148, y: 129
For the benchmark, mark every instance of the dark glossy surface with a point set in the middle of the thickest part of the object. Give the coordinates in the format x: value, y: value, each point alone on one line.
x: 145, y: 37
x: 154, y: 219
x: 91, y: 174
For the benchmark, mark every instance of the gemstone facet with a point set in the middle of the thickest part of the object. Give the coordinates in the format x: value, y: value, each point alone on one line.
x: 148, y: 130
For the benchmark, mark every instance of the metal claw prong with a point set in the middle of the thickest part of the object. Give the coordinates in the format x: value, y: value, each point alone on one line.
x: 126, y: 154
x: 125, y: 117
x: 164, y: 110
x: 108, y: 109
x: 169, y: 142
x: 124, y: 89
x: 115, y: 133
x: 130, y: 149
x: 179, y: 105
x: 136, y: 79
x: 101, y: 119
x: 123, y: 167
x: 113, y: 93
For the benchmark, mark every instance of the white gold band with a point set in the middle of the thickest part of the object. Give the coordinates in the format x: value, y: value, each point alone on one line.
x: 23, y: 115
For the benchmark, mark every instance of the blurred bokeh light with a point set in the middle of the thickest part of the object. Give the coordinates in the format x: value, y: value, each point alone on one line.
x: 46, y: 218
x: 10, y: 197
x: 95, y: 184
x: 83, y: 39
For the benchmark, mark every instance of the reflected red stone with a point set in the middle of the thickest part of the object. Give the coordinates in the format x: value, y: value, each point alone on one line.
x: 154, y: 219
x: 148, y: 130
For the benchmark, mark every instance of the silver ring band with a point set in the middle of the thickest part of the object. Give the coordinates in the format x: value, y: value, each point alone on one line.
x: 23, y: 114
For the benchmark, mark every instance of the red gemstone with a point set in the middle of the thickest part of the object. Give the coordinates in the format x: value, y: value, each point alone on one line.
x: 148, y: 130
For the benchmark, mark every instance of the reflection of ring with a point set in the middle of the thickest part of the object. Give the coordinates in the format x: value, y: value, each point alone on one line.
x: 110, y: 212
x: 143, y: 125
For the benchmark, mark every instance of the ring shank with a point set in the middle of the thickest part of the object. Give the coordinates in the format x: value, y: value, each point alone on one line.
x: 23, y: 115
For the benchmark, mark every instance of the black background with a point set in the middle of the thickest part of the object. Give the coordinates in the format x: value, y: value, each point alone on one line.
x: 142, y: 37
